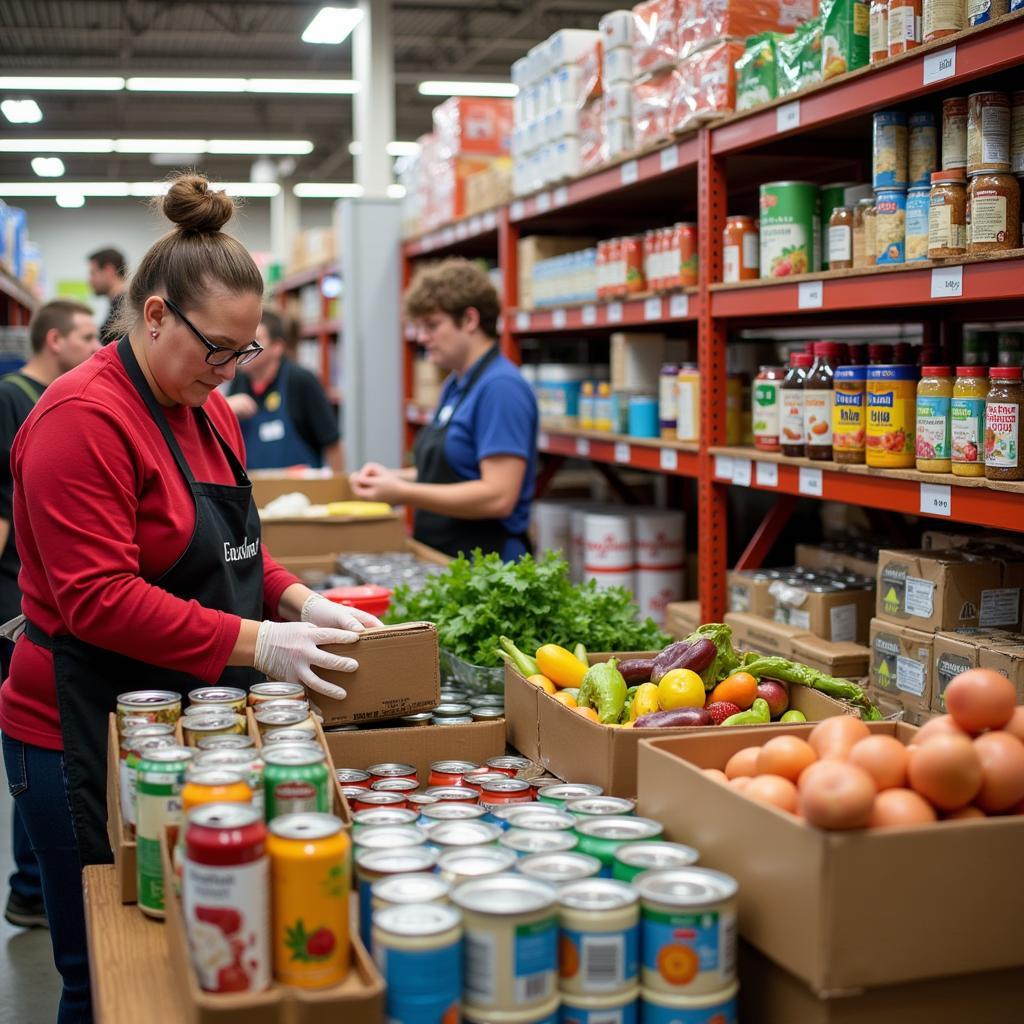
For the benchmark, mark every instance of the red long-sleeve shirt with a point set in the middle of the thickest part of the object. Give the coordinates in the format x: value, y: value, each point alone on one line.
x: 100, y: 508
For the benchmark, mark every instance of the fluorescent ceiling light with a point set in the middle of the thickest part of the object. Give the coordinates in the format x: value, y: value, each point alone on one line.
x: 260, y: 147
x: 396, y: 191
x: 222, y: 147
x: 121, y: 189
x: 48, y: 166
x: 393, y: 148
x: 185, y: 85
x: 327, y: 190
x: 159, y: 145
x: 332, y: 25
x: 311, y: 86
x: 21, y: 111
x: 468, y: 89
x: 55, y: 83
x: 70, y: 200
x: 56, y: 145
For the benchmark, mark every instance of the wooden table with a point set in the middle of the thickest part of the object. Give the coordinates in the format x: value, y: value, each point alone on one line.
x: 129, y: 965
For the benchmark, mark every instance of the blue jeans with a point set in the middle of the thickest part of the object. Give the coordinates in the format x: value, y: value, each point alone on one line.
x: 39, y: 786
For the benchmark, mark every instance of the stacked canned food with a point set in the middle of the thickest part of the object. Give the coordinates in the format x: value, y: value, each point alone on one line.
x: 388, y: 569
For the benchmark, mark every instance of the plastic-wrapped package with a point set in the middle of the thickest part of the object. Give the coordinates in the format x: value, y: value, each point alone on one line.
x: 844, y: 36
x: 567, y: 45
x: 474, y: 125
x: 701, y: 21
x: 654, y: 100
x: 592, y: 137
x: 619, y: 139
x: 616, y: 28
x: 707, y: 84
x: 589, y: 65
x: 616, y: 67
x: 656, y: 27
x: 757, y: 72
x: 799, y: 57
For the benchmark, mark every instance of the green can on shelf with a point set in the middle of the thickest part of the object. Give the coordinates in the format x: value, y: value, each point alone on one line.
x: 790, y: 228
x: 601, y: 837
x: 295, y: 780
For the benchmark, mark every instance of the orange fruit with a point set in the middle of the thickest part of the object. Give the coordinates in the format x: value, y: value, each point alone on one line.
x: 542, y: 683
x: 678, y: 965
x: 589, y: 713
x: 568, y: 957
x: 565, y: 698
x: 740, y: 689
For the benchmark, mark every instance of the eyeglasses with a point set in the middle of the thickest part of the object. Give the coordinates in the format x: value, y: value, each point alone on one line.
x: 217, y: 355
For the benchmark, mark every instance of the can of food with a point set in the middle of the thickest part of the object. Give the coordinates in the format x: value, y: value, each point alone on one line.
x: 1017, y: 133
x: 476, y: 779
x: 262, y: 692
x: 988, y: 132
x: 401, y: 786
x: 980, y: 12
x: 225, y: 897
x: 453, y: 794
x: 684, y: 243
x: 632, y: 859
x: 392, y: 770
x: 452, y: 709
x: 790, y: 228
x: 599, y: 949
x: 353, y: 777
x: 420, y: 718
x: 226, y: 742
x: 270, y: 719
x: 619, y: 1008
x: 954, y: 132
x: 890, y: 225
x: 547, y: 1013
x: 210, y: 785
x: 435, y: 814
x: 451, y: 834
x: 489, y: 700
x: 922, y: 149
x: 658, y: 1007
x: 287, y: 704
x: 454, y: 695
x: 918, y: 208
x: 543, y: 781
x: 849, y: 414
x: 892, y: 410
x: 889, y: 147
x: 247, y: 761
x: 506, y: 791
x: 218, y: 697
x: 463, y: 865
x: 487, y: 714
x: 385, y: 837
x: 374, y: 817
x: 601, y: 807
x: 287, y: 735
x: 559, y: 868
x: 459, y: 720
x: 295, y: 780
x: 132, y: 743
x: 688, y: 925
x: 401, y: 890
x: 160, y: 779
x: 601, y: 837
x: 418, y: 948
x: 509, y: 765
x: 511, y: 932
x: 132, y: 722
x: 561, y: 793
x: 368, y: 799
x: 525, y: 841
x: 373, y: 863
x: 417, y: 801
x: 163, y: 706
x: 352, y: 793
x: 450, y: 773
x: 538, y: 818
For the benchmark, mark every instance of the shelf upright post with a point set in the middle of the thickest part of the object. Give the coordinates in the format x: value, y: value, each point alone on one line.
x: 711, y: 341
x: 508, y: 261
x: 408, y: 359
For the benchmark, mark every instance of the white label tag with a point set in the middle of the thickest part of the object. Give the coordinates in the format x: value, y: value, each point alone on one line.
x: 741, y: 472
x: 652, y: 308
x: 723, y: 467
x: 476, y: 225
x: 939, y: 65
x: 629, y: 172
x: 558, y: 318
x: 544, y: 202
x: 679, y: 306
x: 767, y: 474
x: 622, y: 453
x: 810, y: 295
x: 490, y: 221
x: 522, y: 321
x: 271, y: 430
x: 517, y: 210
x: 589, y: 315
x: 787, y: 117
x: 947, y: 282
x: 543, y: 441
x: 842, y: 622
x: 670, y: 158
x: 615, y: 312
x: 919, y: 598
x: 582, y: 447
x: 461, y: 230
x: 669, y: 459
x: 561, y: 196
x: 811, y: 482
x: 910, y: 676
x: 936, y: 500
x: 1000, y: 607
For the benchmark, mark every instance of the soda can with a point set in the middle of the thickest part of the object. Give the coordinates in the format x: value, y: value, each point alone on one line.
x: 366, y: 799
x: 210, y: 723
x: 506, y: 791
x: 401, y: 786
x: 374, y: 817
x: 162, y: 706
x: 216, y: 698
x: 134, y: 742
x: 226, y: 742
x: 633, y: 859
x: 559, y: 868
x: 373, y: 864
x: 401, y: 890
x: 260, y: 693
x: 601, y: 837
x: 453, y: 794
x: 353, y: 777
x: 525, y: 841
x: 450, y: 773
x: 247, y: 761
x: 460, y: 865
x: 561, y: 793
x: 509, y: 765
x: 295, y: 780
x: 392, y: 770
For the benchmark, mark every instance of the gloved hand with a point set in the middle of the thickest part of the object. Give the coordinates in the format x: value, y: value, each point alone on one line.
x: 322, y: 612
x: 289, y: 650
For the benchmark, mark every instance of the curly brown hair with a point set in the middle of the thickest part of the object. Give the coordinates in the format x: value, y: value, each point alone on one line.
x: 453, y: 286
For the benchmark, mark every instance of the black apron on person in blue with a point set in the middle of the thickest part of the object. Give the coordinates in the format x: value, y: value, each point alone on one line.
x: 272, y: 440
x: 221, y: 568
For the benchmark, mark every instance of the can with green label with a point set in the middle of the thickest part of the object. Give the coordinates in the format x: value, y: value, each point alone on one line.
x: 790, y: 228
x: 296, y: 780
x: 601, y: 837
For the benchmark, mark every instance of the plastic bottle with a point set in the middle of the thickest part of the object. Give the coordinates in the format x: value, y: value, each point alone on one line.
x: 818, y: 400
x: 934, y: 399
x: 791, y: 395
x: 967, y: 421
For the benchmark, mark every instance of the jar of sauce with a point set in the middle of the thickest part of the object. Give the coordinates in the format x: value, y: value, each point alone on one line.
x: 993, y: 213
x: 741, y: 249
x: 934, y: 401
x: 860, y: 232
x: 848, y: 420
x: 840, y: 239
x: 791, y: 398
x: 967, y: 421
x: 892, y: 397
x: 1002, y: 424
x: 954, y: 132
x: 765, y: 406
x: 947, y: 214
x: 818, y: 401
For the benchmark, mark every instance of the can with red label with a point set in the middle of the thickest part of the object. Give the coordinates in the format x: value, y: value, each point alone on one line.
x: 633, y: 264
x: 476, y: 781
x: 392, y: 770
x: 685, y: 246
x: 509, y: 765
x: 353, y: 777
x: 449, y: 773
x: 506, y: 791
x: 401, y: 786
x: 225, y: 898
x: 367, y: 798
x: 453, y: 794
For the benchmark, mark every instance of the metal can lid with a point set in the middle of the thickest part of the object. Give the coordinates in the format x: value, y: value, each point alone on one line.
x: 383, y: 837
x: 224, y: 816
x: 421, y: 799
x: 419, y: 718
x: 571, y: 791
x: 148, y: 698
x: 456, y: 720
x: 288, y: 736
x: 452, y: 794
x: 559, y: 868
x: 391, y: 769
x: 216, y: 694
x: 488, y: 700
x: 510, y: 761
x: 284, y: 704
x: 504, y: 785
x: 164, y: 755
x: 602, y: 806
x: 231, y: 741
x: 623, y: 828
x: 307, y: 825
x: 141, y: 745
x: 479, y: 779
x: 373, y: 817
x: 278, y: 689
x: 464, y: 833
x: 417, y: 919
x: 487, y: 714
x: 539, y: 818
x: 350, y: 775
x: 376, y: 797
x: 505, y: 895
x: 294, y: 754
x: 531, y: 841
x: 598, y: 894
x: 218, y: 757
x: 453, y: 812
x: 281, y: 717
x: 451, y: 710
x: 205, y: 776
x: 396, y: 862
x: 194, y: 711
x: 147, y: 729
x: 394, y: 785
x: 411, y: 888
x: 477, y: 860
x: 686, y: 887
x: 453, y: 767
x: 656, y: 856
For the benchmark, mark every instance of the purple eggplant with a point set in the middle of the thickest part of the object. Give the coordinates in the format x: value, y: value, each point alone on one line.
x: 683, y: 654
x: 680, y: 718
x: 637, y: 670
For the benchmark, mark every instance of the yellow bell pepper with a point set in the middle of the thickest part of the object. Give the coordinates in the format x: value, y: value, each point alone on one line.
x: 645, y: 701
x: 562, y: 667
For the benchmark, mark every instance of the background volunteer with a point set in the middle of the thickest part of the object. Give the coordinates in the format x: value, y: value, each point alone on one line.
x: 107, y: 272
x: 475, y: 463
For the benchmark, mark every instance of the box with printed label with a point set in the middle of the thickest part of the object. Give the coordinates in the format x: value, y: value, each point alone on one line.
x: 836, y: 559
x: 842, y: 660
x: 824, y: 610
x: 755, y: 633
x: 749, y: 592
x: 902, y: 663
x: 1007, y: 659
x: 1001, y: 608
x: 955, y: 652
x: 933, y: 590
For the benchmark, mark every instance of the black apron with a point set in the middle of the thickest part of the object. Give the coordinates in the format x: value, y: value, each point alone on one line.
x: 221, y: 568
x: 445, y: 533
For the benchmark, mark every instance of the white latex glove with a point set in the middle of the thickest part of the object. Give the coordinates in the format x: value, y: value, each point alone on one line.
x: 289, y: 651
x: 322, y: 612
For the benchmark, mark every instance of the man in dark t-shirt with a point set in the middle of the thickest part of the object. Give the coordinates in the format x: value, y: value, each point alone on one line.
x: 283, y: 410
x: 107, y: 273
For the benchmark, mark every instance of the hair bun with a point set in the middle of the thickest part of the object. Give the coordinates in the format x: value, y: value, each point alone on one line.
x: 194, y: 206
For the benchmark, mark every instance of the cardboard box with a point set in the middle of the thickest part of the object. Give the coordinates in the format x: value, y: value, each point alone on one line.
x: 955, y: 652
x: 1009, y: 660
x: 749, y: 593
x: 578, y: 750
x: 636, y: 360
x: 903, y: 664
x: 815, y: 556
x: 842, y: 616
x: 843, y: 660
x: 311, y: 569
x: 934, y: 590
x: 843, y: 910
x: 682, y: 618
x: 754, y: 633
x: 399, y: 674
x: 534, y: 248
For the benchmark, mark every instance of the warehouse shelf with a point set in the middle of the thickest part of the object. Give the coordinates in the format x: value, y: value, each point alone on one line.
x: 293, y: 282
x: 649, y: 310
x: 970, y: 500
x: 14, y: 291
x: 680, y: 458
x: 478, y: 228
x: 314, y: 330
x: 418, y: 415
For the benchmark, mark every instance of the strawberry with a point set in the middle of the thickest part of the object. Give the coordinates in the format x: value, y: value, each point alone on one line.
x: 232, y: 979
x: 308, y: 946
x: 720, y: 710
x: 320, y: 943
x: 224, y: 918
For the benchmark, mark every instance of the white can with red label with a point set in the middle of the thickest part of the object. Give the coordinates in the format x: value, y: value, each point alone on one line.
x: 608, y: 550
x: 551, y: 527
x: 660, y: 560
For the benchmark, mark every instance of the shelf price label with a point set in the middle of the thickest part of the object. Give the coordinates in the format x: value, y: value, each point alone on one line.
x: 615, y: 312
x: 490, y: 221
x: 767, y: 474
x: 787, y: 117
x: 582, y: 447
x: 543, y: 441
x: 810, y: 294
x: 939, y: 65
x: 629, y: 172
x: 522, y: 321
x: 723, y: 467
x: 622, y: 453
x: 936, y: 500
x: 544, y: 202
x: 947, y: 282
x: 679, y: 306
x: 517, y: 210
x: 652, y: 308
x: 669, y: 459
x: 561, y: 196
x: 461, y: 231
x: 669, y: 158
x: 589, y: 315
x: 558, y: 318
x: 741, y: 472
x: 812, y: 482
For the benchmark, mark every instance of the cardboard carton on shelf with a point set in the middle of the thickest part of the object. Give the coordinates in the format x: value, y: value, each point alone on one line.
x: 749, y: 593
x: 842, y: 616
x: 682, y: 618
x: 843, y: 660
x: 835, y: 559
x: 814, y: 900
x: 754, y: 633
x: 903, y: 664
x: 534, y: 248
x: 1007, y: 659
x: 955, y: 652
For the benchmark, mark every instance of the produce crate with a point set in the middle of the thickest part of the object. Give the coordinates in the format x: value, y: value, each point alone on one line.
x: 578, y: 750
x: 843, y: 910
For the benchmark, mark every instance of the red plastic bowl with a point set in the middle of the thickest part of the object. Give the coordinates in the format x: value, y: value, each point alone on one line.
x: 369, y: 598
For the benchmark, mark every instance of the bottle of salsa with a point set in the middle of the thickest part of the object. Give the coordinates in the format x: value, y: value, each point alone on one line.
x: 934, y: 398
x: 967, y: 421
x: 791, y: 396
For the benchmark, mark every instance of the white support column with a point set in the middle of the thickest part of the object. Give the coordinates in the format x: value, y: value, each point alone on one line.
x: 284, y: 221
x: 373, y: 66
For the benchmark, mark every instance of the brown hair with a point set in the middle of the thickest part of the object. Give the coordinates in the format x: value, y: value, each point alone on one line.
x: 452, y: 287
x: 110, y: 258
x: 58, y: 315
x: 195, y: 256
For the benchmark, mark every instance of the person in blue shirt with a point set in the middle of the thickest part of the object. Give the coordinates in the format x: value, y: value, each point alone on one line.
x: 475, y: 463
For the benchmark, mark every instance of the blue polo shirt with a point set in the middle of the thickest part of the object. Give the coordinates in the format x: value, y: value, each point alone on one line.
x: 498, y: 417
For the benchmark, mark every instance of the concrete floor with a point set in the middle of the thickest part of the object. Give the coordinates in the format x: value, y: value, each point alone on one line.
x: 29, y: 983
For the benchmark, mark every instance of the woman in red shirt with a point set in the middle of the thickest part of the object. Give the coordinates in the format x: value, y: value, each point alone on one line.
x: 140, y: 544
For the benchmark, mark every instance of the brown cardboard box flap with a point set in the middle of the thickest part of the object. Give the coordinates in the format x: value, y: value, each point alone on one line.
x: 682, y: 618
x: 754, y: 633
x: 399, y: 674
x: 844, y: 660
x: 287, y: 538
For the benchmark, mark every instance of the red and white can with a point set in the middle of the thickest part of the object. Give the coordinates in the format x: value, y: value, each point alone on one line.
x: 608, y: 550
x: 506, y: 791
x: 509, y: 764
x: 401, y: 786
x: 449, y: 773
x: 353, y: 777
x: 225, y: 893
x: 660, y: 560
x: 392, y: 770
x: 477, y: 780
x: 368, y: 798
x: 453, y: 794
